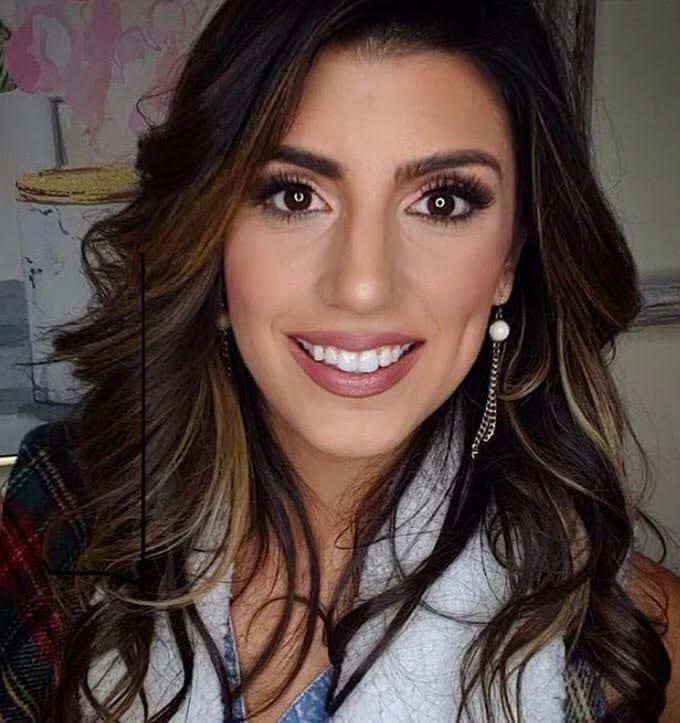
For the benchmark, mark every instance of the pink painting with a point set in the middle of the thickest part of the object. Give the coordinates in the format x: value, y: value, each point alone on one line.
x: 100, y: 57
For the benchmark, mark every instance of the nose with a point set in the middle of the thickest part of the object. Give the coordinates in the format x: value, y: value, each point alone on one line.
x: 362, y: 266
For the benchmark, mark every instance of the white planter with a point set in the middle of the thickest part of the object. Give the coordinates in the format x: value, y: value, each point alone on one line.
x: 56, y: 288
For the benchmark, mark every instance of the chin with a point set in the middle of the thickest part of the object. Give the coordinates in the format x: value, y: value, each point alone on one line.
x: 350, y: 440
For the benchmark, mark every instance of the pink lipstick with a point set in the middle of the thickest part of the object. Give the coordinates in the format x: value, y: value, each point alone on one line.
x: 351, y: 384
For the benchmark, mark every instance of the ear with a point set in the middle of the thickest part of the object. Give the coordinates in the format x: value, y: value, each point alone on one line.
x: 507, y: 277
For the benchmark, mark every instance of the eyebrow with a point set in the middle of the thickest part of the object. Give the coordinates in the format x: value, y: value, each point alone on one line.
x: 332, y: 169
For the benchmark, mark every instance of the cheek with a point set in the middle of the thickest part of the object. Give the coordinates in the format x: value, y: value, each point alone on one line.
x: 463, y: 291
x: 247, y: 292
x: 461, y: 307
x: 251, y: 288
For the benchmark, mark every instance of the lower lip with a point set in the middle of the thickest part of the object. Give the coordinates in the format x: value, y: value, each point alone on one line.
x: 348, y: 384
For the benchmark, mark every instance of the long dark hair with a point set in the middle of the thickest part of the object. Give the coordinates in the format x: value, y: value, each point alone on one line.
x: 553, y: 473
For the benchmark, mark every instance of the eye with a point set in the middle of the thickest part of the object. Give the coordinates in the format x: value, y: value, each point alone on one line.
x: 292, y: 192
x: 446, y: 194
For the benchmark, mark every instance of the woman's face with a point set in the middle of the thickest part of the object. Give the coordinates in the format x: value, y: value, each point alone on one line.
x: 368, y: 251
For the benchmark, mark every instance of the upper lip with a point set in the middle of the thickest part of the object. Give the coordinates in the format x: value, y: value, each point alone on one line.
x: 355, y: 341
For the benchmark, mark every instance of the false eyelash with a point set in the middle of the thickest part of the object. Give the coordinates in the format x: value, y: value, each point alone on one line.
x: 469, y: 188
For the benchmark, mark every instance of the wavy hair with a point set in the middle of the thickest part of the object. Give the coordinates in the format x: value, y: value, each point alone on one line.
x: 554, y: 475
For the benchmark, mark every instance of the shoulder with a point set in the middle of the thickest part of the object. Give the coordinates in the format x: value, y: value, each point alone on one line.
x: 44, y: 476
x: 44, y: 485
x: 655, y: 590
x: 40, y: 485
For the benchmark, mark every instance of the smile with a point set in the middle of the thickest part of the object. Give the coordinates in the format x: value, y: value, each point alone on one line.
x: 358, y: 362
x: 356, y: 374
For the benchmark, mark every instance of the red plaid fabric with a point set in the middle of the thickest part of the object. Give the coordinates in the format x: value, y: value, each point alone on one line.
x: 42, y: 482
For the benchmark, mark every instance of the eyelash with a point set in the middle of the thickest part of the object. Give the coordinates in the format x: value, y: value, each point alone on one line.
x: 469, y: 188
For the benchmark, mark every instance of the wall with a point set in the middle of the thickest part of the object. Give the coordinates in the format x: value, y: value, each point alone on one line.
x: 636, y: 116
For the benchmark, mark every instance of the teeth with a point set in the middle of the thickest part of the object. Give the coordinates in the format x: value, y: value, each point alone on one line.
x: 355, y: 361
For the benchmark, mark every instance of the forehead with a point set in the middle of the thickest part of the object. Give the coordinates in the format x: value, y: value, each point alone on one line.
x: 401, y: 106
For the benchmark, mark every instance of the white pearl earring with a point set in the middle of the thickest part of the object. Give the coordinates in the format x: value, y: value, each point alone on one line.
x: 498, y: 331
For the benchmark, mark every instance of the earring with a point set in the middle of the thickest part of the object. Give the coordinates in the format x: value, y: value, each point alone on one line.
x: 223, y: 325
x: 498, y: 331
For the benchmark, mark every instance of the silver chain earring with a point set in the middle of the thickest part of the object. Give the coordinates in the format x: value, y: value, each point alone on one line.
x: 498, y: 331
x: 223, y: 325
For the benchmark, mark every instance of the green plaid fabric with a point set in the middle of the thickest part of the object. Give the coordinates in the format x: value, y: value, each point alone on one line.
x: 42, y: 482
x: 45, y: 480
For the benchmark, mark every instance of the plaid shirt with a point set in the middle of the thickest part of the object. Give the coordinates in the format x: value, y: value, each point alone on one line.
x: 42, y: 482
x: 31, y: 626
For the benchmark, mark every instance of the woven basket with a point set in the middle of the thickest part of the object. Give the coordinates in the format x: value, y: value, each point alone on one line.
x: 114, y: 182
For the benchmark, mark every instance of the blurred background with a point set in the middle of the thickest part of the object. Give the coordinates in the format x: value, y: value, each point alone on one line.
x: 80, y: 80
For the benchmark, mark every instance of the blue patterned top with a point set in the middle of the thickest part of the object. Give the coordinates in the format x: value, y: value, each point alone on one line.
x: 308, y: 707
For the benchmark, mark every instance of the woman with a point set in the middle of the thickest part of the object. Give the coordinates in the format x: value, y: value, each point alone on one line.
x: 368, y: 233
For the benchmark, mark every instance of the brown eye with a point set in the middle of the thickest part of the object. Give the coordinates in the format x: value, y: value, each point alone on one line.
x: 441, y: 204
x: 445, y: 194
x: 295, y: 198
